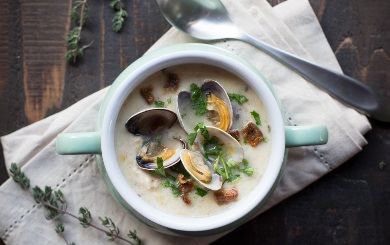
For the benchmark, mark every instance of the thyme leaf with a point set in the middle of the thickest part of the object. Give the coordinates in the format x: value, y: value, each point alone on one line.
x: 120, y: 15
x: 19, y: 177
x: 79, y: 15
x: 55, y: 203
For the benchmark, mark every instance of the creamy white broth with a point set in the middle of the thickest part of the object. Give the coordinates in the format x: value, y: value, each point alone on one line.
x: 148, y: 186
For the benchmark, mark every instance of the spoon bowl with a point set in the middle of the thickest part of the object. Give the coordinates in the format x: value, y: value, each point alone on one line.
x: 209, y: 20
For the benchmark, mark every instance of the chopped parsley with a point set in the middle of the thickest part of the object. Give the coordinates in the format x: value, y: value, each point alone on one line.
x: 241, y: 99
x: 233, y: 178
x: 192, y: 137
x: 229, y: 169
x: 159, y: 103
x: 160, y: 167
x: 212, y: 147
x: 198, y: 103
x: 246, y: 169
x: 169, y: 180
x: 226, y: 169
x: 256, y: 116
x: 202, y: 127
x: 232, y: 164
x: 200, y: 192
x: 169, y: 101
x: 173, y: 183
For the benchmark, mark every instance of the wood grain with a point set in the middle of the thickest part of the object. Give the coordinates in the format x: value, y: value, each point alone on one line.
x: 351, y: 205
x: 4, y: 45
x: 44, y: 28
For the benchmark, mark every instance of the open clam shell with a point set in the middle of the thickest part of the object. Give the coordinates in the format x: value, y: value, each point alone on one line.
x: 220, y: 112
x: 151, y: 121
x: 152, y: 125
x: 169, y: 151
x: 200, y: 169
x: 230, y: 146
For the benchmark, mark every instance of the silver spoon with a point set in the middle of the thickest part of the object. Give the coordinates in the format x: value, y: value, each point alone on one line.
x: 209, y: 20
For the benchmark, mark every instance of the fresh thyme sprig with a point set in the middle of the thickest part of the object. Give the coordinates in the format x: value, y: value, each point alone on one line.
x: 60, y: 229
x: 120, y: 15
x: 19, y: 177
x: 56, y: 205
x: 79, y: 15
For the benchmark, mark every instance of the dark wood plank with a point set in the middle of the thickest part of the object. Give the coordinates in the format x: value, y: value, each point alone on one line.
x: 351, y: 205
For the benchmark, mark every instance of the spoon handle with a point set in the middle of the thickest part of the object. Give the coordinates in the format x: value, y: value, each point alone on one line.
x: 344, y: 88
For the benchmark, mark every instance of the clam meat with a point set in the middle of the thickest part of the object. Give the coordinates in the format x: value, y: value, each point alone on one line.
x: 153, y: 125
x: 219, y: 109
x: 231, y: 148
x: 200, y: 169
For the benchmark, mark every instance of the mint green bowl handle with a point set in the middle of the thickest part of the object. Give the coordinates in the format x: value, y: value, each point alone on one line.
x: 306, y: 135
x: 78, y: 143
x: 89, y: 143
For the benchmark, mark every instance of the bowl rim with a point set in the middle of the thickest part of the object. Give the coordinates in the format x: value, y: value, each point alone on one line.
x: 175, y: 55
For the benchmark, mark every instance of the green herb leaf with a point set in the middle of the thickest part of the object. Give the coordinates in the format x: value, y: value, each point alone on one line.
x: 133, y: 235
x: 382, y: 165
x: 159, y: 103
x: 192, y: 137
x: 256, y: 116
x: 198, y: 103
x: 118, y: 20
x: 169, y: 101
x: 113, y: 230
x: 232, y: 164
x: 246, y: 169
x: 234, y: 178
x: 19, y: 177
x: 200, y: 191
x: 212, y: 147
x: 226, y: 170
x: 172, y: 183
x: 59, y: 227
x: 160, y: 167
x: 76, y: 14
x: 85, y: 217
x: 55, y: 203
x: 116, y: 4
x: 241, y: 99
x: 79, y: 15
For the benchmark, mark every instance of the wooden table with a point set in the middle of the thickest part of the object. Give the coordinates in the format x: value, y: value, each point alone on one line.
x: 351, y: 205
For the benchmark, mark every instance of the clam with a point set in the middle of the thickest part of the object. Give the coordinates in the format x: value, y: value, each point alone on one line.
x: 219, y: 109
x: 151, y: 121
x: 200, y: 169
x: 152, y: 125
x: 230, y: 146
x: 169, y: 151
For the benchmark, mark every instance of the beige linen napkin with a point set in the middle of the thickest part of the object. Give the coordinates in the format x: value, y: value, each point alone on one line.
x: 291, y: 25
